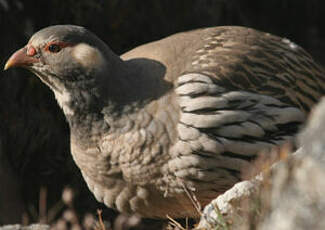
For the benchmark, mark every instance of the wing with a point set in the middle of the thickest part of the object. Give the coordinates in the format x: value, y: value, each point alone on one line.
x: 221, y: 131
x: 245, y: 59
x: 245, y: 91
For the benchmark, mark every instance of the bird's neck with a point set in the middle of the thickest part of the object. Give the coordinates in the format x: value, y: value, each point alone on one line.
x: 94, y: 107
x: 82, y: 110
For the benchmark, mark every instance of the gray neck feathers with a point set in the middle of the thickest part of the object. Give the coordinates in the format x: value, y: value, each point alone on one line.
x: 91, y: 106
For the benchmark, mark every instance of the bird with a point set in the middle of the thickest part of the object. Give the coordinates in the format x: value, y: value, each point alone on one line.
x: 174, y: 120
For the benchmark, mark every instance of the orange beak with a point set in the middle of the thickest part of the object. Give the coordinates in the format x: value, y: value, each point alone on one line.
x: 20, y: 59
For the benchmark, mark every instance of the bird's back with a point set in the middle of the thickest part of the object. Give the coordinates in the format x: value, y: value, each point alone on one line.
x: 240, y: 58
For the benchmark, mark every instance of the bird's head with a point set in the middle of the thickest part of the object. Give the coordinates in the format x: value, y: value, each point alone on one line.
x: 64, y: 56
x: 84, y: 73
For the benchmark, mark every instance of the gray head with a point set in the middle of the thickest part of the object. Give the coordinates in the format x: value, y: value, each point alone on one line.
x: 64, y: 56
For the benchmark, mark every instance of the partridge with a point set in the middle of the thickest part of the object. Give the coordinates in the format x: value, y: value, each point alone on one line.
x: 185, y: 114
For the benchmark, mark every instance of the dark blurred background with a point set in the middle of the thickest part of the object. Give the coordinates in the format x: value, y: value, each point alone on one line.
x: 34, y: 137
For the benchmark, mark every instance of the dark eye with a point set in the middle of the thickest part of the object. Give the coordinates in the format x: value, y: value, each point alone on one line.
x: 54, y: 48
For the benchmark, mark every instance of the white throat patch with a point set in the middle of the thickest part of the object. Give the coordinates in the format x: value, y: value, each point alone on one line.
x: 63, y: 100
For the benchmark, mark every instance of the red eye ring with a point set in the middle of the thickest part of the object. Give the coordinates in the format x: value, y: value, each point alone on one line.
x: 54, y: 48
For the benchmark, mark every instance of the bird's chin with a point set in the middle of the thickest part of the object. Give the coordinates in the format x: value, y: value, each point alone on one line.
x: 47, y: 80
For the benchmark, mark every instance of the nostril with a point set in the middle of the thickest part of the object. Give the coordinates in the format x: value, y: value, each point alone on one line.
x: 31, y: 51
